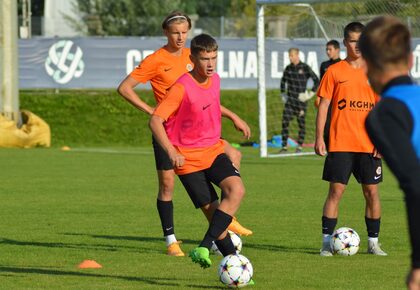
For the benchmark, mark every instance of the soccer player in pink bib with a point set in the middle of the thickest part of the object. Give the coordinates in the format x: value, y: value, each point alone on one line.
x: 187, y: 124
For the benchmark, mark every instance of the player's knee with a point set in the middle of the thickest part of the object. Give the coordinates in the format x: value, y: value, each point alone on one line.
x: 238, y: 193
x: 166, y: 186
x: 371, y: 194
x: 335, y: 194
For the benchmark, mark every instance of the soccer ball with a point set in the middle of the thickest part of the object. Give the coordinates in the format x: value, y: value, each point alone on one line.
x: 236, y: 240
x: 235, y: 271
x: 345, y: 241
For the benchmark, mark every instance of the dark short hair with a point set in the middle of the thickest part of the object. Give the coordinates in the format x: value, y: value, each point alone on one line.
x: 295, y: 49
x: 385, y: 41
x: 353, y: 27
x: 203, y: 42
x: 333, y: 43
x: 176, y: 17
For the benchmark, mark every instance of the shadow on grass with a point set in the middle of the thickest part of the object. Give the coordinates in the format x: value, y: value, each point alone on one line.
x: 205, y: 287
x: 133, y: 238
x: 264, y: 247
x: 101, y: 247
x: 147, y: 280
x: 280, y: 248
x: 114, y: 248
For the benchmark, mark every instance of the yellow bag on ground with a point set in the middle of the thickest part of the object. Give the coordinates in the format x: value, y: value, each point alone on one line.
x: 34, y: 132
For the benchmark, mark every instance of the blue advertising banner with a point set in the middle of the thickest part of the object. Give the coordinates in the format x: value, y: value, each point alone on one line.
x: 104, y: 62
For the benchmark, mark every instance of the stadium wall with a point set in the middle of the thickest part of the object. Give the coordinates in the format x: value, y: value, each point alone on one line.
x: 74, y: 63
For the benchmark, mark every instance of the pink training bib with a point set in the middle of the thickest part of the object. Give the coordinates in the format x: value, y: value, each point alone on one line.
x: 197, y: 123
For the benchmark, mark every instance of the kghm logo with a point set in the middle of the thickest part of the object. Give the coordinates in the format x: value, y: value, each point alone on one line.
x: 342, y: 104
x: 356, y: 105
x: 362, y: 105
x: 64, y: 61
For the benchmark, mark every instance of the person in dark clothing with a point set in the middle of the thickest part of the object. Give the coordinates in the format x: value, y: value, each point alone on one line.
x: 295, y: 76
x: 333, y: 53
x: 393, y: 125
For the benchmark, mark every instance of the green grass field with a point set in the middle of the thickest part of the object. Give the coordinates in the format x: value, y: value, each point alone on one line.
x: 59, y: 208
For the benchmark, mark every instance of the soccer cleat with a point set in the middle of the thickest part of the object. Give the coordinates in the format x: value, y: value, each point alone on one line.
x: 175, y: 250
x: 238, y: 229
x: 283, y: 150
x: 299, y: 149
x: 326, y: 250
x: 374, y: 248
x: 200, y: 255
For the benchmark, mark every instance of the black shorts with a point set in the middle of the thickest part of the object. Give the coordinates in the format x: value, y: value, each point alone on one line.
x: 162, y: 160
x: 199, y: 184
x: 340, y: 165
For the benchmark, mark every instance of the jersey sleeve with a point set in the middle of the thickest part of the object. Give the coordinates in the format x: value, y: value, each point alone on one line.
x: 284, y: 79
x: 145, y: 71
x: 311, y: 74
x: 326, y: 87
x: 390, y: 127
x: 170, y: 104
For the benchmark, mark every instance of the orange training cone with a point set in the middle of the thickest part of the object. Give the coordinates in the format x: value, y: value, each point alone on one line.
x: 89, y: 264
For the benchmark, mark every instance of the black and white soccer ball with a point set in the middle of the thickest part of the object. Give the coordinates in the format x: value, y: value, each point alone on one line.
x: 235, y: 271
x: 345, y: 241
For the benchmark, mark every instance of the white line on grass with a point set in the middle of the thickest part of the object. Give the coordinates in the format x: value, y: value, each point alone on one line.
x: 111, y: 151
x: 289, y: 154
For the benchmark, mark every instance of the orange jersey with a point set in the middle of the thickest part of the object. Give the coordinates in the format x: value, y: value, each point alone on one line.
x: 162, y: 69
x: 196, y: 159
x: 352, y: 99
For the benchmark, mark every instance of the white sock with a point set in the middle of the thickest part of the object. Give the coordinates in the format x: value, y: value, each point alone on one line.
x: 326, y: 238
x: 372, y: 240
x: 170, y: 239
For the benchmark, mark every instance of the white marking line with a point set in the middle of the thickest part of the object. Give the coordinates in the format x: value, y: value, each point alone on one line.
x: 110, y: 151
x: 289, y: 154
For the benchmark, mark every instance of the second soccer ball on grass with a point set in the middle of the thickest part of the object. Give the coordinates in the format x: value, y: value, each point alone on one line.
x: 236, y: 240
x: 345, y: 241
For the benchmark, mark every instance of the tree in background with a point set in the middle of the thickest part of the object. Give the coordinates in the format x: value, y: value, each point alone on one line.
x: 143, y: 18
x: 124, y: 17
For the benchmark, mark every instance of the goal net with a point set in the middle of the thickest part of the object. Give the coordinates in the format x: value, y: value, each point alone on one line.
x: 306, y: 25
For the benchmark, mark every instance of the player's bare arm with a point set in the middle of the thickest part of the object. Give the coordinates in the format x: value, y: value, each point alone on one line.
x: 321, y: 118
x: 156, y: 126
x: 239, y: 124
x: 126, y: 90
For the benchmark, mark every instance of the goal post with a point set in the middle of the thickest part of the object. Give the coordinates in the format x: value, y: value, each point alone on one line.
x: 9, y: 88
x: 262, y: 96
x: 262, y: 106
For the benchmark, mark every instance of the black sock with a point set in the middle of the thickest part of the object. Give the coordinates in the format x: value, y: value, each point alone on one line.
x: 226, y: 246
x: 218, y: 224
x: 166, y: 214
x: 373, y: 226
x: 328, y: 225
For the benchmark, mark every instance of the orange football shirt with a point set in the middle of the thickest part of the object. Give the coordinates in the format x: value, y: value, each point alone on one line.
x: 196, y: 159
x: 162, y: 69
x: 352, y: 98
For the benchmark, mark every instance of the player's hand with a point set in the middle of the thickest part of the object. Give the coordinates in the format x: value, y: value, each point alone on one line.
x: 151, y: 110
x: 283, y: 97
x: 177, y: 159
x: 413, y: 279
x: 320, y: 148
x: 242, y: 126
x: 376, y: 153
